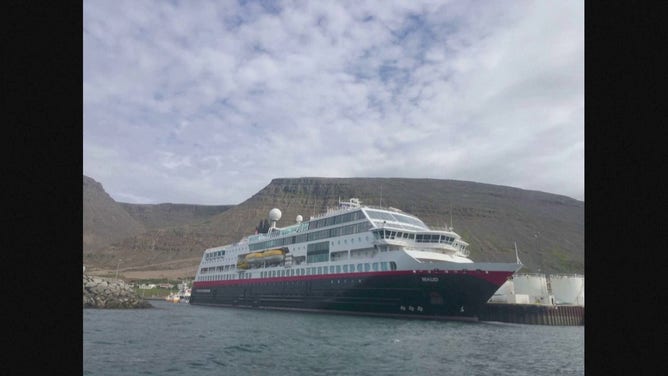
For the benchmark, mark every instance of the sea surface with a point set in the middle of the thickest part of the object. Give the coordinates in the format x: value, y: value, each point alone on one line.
x: 180, y: 339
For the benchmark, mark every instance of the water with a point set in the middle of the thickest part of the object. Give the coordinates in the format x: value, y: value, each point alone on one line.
x: 180, y: 339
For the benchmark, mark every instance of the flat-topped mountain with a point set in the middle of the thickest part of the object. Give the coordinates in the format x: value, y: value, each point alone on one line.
x: 548, y: 228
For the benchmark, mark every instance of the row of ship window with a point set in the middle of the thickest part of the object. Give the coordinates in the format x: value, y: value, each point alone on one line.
x: 334, y: 220
x: 315, y: 235
x: 211, y: 255
x: 348, y: 268
x: 419, y: 238
x: 314, y: 270
x: 323, y: 256
x: 396, y: 217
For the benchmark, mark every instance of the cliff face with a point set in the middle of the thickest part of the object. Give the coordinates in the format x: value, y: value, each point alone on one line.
x: 548, y: 228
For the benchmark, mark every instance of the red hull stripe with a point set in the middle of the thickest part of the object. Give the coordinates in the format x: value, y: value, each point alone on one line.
x: 495, y: 277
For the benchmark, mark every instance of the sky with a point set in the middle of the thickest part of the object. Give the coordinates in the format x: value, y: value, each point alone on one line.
x: 205, y: 102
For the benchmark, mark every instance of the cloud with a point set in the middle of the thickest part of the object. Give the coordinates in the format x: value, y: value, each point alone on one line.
x: 190, y: 97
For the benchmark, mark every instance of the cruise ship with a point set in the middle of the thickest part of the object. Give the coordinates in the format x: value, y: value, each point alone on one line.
x: 353, y: 259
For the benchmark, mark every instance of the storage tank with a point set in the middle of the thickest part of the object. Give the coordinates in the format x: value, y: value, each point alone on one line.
x: 505, y: 293
x: 568, y: 289
x: 534, y: 285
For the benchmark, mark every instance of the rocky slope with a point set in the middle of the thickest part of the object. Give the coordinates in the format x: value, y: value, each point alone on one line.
x: 104, y: 220
x: 108, y: 293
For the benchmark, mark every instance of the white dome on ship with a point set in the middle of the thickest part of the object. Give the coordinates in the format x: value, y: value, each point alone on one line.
x: 275, y: 214
x: 299, y: 219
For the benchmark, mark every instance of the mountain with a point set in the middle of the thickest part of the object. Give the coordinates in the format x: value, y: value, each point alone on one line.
x: 156, y: 216
x: 104, y: 220
x: 548, y: 228
x: 109, y: 225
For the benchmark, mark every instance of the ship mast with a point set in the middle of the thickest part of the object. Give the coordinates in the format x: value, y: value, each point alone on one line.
x: 381, y: 196
x: 452, y: 227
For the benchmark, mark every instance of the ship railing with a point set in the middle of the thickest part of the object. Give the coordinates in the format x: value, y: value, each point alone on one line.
x: 402, y: 242
x: 447, y: 229
x: 412, y: 242
x: 529, y: 275
x: 557, y: 276
x: 567, y: 275
x: 331, y: 211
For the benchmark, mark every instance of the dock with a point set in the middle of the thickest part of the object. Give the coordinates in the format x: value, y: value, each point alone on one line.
x: 536, y: 314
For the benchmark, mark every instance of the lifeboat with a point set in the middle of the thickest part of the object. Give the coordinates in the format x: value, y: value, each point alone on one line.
x: 272, y: 255
x: 253, y: 258
x: 242, y: 264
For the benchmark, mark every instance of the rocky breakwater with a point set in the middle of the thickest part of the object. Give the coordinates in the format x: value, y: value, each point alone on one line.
x: 108, y: 293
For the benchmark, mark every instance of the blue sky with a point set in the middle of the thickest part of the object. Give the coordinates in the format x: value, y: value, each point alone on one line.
x: 204, y: 102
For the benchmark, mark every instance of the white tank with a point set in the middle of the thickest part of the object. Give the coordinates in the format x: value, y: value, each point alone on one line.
x: 505, y: 293
x: 568, y: 289
x: 534, y: 285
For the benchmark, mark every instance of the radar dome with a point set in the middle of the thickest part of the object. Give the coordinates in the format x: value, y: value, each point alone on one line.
x: 299, y: 219
x: 274, y: 214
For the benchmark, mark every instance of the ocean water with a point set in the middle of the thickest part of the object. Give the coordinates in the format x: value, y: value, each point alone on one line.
x: 180, y: 339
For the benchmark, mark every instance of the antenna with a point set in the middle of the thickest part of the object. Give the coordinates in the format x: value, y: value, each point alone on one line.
x: 452, y: 225
x: 517, y: 257
x: 381, y: 196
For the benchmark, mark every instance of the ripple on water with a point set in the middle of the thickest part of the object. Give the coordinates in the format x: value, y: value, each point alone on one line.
x: 197, y: 340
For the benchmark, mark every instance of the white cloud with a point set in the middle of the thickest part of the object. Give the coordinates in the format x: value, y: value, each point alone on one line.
x: 206, y: 102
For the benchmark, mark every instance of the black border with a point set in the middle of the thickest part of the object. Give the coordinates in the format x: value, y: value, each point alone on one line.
x: 623, y: 179
x: 43, y: 89
x: 623, y: 176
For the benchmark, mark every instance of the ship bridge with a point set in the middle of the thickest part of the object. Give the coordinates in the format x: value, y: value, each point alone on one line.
x: 432, y: 240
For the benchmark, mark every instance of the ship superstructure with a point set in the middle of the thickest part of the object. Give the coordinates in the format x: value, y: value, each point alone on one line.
x: 355, y: 259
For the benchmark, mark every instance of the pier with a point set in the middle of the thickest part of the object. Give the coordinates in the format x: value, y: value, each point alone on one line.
x: 536, y: 314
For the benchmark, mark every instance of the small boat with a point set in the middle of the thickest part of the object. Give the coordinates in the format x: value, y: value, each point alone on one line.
x: 184, y: 293
x: 173, y: 298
